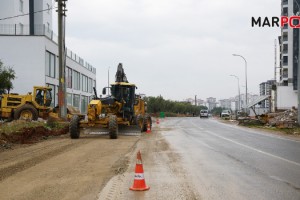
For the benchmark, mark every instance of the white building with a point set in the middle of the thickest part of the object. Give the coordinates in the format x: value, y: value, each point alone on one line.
x: 289, y: 47
x: 211, y: 103
x: 29, y: 46
x: 265, y: 88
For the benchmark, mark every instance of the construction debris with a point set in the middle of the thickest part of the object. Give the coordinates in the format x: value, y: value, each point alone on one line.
x: 286, y: 119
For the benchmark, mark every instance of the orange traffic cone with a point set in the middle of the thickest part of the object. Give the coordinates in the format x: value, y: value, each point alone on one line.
x: 157, y: 121
x: 148, y: 128
x: 139, y: 183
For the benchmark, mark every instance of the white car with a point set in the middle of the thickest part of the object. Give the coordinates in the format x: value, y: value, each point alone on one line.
x: 203, y: 113
x: 225, y: 114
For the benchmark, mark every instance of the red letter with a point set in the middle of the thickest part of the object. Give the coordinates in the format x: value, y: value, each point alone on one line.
x: 284, y: 20
x: 291, y: 24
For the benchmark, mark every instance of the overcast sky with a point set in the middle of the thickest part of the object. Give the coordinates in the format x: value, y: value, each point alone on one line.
x: 175, y: 48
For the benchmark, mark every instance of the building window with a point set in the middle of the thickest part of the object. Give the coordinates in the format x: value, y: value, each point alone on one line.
x: 285, y: 73
x: 285, y: 36
x: 76, y: 100
x: 76, y: 80
x: 285, y: 60
x: 285, y: 11
x: 90, y: 85
x: 21, y: 5
x: 69, y: 77
x: 53, y: 94
x: 50, y: 64
x: 285, y: 48
x: 84, y: 83
x: 69, y: 99
x: 84, y: 104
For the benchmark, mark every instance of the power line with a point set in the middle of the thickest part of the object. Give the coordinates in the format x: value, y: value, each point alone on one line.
x: 28, y: 13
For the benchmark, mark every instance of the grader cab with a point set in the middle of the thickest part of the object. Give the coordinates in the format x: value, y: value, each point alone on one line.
x: 122, y: 108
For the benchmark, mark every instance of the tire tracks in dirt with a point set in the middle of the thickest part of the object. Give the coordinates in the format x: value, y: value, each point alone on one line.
x: 35, y: 156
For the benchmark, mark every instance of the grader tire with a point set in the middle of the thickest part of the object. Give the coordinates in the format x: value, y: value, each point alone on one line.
x: 147, y: 121
x: 140, y: 122
x: 27, y: 112
x: 74, y: 127
x: 113, y: 127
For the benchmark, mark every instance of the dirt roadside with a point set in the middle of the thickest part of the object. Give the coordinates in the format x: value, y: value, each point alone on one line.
x: 93, y: 167
x: 62, y: 168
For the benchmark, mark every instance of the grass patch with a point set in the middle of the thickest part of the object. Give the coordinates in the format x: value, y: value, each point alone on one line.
x: 19, y: 125
x: 15, y: 126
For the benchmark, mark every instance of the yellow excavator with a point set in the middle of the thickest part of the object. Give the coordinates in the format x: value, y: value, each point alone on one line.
x: 122, y: 107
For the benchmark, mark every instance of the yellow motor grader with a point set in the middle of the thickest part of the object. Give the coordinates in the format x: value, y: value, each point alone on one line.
x: 122, y: 107
x: 29, y: 107
x: 32, y: 106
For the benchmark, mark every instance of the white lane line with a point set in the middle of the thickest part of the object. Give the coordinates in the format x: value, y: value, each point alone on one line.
x: 257, y: 150
x: 266, y: 134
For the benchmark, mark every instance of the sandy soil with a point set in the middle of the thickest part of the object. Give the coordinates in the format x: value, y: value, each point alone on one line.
x: 62, y: 168
x: 92, y: 167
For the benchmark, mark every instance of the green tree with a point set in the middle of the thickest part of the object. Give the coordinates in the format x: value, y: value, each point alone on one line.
x: 216, y: 111
x: 159, y: 104
x: 7, y: 74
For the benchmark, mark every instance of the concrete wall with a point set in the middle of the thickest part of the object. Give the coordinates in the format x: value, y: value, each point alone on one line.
x: 286, y: 97
x: 26, y: 55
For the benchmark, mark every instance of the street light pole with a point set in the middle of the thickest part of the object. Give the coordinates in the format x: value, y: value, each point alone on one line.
x: 239, y: 104
x: 108, y: 81
x: 245, y: 79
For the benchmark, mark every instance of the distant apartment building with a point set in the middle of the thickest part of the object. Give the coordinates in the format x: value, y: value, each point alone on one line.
x: 29, y: 46
x: 225, y: 103
x: 265, y: 88
x: 200, y: 102
x: 289, y: 49
x: 211, y: 103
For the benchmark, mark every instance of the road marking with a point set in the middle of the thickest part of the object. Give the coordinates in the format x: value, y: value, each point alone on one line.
x: 257, y: 150
x: 255, y: 132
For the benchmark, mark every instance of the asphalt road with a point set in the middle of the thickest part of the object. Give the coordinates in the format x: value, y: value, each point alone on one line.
x: 225, y: 161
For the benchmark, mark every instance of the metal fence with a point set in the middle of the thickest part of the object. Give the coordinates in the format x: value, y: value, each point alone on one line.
x: 20, y: 29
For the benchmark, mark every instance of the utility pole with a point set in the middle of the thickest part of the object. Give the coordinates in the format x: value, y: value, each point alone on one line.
x: 62, y: 59
x: 195, y: 100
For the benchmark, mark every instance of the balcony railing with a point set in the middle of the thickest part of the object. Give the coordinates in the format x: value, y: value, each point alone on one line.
x: 20, y: 29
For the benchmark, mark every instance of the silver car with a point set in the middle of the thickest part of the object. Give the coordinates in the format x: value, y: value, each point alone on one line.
x: 203, y: 113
